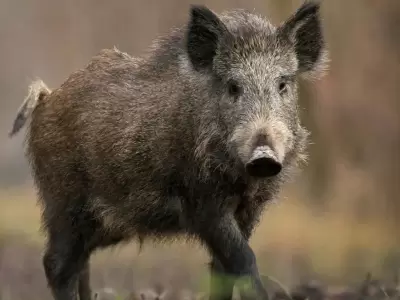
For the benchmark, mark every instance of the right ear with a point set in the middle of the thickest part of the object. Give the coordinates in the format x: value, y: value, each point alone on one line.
x: 205, y: 31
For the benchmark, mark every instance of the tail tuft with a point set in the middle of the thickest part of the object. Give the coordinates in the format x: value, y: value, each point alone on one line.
x: 37, y: 91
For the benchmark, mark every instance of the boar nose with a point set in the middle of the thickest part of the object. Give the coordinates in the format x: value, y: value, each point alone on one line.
x: 263, y: 163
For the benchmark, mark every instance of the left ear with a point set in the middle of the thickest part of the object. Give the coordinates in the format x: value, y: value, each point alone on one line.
x: 304, y: 30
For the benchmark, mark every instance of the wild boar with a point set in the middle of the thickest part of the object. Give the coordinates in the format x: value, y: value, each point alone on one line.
x: 192, y: 139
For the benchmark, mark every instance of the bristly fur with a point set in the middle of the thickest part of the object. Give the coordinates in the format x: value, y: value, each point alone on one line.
x: 157, y: 147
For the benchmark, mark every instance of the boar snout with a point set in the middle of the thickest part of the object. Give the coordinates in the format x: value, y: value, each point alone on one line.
x: 263, y: 163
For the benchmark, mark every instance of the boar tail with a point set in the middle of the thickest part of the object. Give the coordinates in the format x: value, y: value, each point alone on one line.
x: 37, y: 92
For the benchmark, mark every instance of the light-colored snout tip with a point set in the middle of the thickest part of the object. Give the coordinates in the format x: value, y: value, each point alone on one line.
x: 263, y: 163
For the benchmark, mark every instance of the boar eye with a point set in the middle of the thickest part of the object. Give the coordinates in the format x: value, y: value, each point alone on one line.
x: 282, y: 87
x: 234, y: 89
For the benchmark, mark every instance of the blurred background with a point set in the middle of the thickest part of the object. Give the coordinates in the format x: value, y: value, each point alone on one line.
x: 335, y: 222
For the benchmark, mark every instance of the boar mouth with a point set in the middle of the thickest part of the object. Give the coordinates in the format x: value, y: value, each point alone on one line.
x: 263, y: 163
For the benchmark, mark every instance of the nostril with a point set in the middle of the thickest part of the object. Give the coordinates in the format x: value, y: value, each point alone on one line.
x: 264, y: 167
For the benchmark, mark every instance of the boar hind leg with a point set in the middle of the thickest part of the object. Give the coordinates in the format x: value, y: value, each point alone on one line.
x: 63, y: 262
x: 66, y: 259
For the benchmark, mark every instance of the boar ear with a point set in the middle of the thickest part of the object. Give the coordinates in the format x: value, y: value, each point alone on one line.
x: 205, y: 30
x: 304, y: 30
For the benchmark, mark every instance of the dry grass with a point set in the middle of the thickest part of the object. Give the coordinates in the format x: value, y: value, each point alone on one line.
x: 19, y: 214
